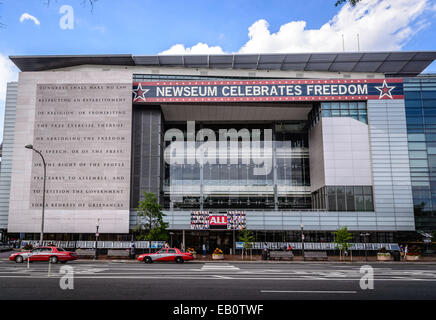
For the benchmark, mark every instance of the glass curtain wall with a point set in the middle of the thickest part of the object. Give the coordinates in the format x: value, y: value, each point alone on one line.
x: 420, y: 100
x: 265, y: 166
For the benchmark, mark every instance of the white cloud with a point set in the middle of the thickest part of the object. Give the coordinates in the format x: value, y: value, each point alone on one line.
x: 26, y: 16
x: 381, y: 25
x: 199, y: 48
x: 8, y: 72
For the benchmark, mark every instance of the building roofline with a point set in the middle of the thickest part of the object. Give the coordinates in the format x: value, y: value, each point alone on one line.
x: 390, y: 63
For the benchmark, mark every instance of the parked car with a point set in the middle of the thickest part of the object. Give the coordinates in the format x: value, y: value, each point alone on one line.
x: 52, y: 254
x: 166, y: 254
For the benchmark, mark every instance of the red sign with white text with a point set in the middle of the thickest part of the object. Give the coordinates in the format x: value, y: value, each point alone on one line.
x: 218, y: 221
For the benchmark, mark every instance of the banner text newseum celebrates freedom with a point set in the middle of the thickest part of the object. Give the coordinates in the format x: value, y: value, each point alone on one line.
x: 267, y: 90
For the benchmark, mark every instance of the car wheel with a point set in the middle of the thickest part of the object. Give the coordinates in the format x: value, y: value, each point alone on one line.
x: 19, y: 259
x: 147, y: 260
x: 179, y: 260
x: 53, y: 259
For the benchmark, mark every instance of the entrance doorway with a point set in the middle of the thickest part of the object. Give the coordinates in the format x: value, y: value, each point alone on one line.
x: 222, y: 239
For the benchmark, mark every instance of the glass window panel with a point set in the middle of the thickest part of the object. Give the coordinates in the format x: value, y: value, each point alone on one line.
x: 414, y: 112
x: 418, y: 163
x: 430, y: 112
x: 416, y: 137
x: 413, y: 103
x: 429, y: 95
x: 414, y: 121
x: 343, y: 106
x: 417, y: 146
x: 412, y: 94
x: 350, y: 198
x: 335, y: 113
x: 344, y: 113
x: 361, y: 105
x: 326, y: 113
x: 335, y: 105
x: 367, y: 190
x: 340, y: 198
x: 418, y: 154
x: 429, y: 103
x: 326, y: 105
x: 332, y: 203
x: 432, y: 161
x: 360, y: 206
x: 331, y: 191
x: 368, y: 203
x: 358, y: 190
x: 430, y: 120
x: 363, y: 119
x: 353, y: 105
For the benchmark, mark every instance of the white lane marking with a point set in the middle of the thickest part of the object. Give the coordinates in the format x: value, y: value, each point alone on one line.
x: 220, y: 267
x: 221, y: 277
x: 210, y: 278
x: 307, y: 291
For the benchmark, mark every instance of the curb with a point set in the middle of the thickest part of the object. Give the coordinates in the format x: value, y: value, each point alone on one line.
x: 264, y: 262
x: 273, y: 262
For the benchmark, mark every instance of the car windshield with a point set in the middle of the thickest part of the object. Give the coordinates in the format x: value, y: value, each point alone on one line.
x: 60, y: 249
x: 162, y: 251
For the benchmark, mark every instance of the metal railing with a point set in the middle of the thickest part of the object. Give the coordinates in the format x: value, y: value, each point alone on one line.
x: 254, y: 245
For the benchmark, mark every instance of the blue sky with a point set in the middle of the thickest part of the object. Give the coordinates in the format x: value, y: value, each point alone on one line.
x: 172, y: 26
x: 150, y: 27
x: 147, y: 27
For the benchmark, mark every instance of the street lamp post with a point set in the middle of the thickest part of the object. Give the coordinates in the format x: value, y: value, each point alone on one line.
x: 171, y: 239
x: 302, y: 241
x: 96, y: 240
x: 30, y: 147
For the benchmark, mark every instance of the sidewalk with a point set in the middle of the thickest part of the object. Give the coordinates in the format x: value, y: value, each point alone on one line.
x: 257, y: 259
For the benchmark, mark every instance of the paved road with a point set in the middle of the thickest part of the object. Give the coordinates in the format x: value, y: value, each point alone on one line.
x: 216, y: 281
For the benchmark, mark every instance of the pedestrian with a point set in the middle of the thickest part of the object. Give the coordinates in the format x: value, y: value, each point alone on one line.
x: 406, y: 249
x: 132, y: 250
x: 204, y: 249
x: 290, y: 248
x: 265, y: 251
x: 166, y: 245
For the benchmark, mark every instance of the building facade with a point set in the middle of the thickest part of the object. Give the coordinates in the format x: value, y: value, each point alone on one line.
x: 270, y: 143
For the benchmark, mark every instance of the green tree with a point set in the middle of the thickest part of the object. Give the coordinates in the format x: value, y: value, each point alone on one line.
x: 150, y: 224
x: 342, y: 240
x: 248, y: 238
x: 352, y: 2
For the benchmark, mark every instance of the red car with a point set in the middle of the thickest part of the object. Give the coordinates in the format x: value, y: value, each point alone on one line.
x: 52, y: 254
x: 166, y: 254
